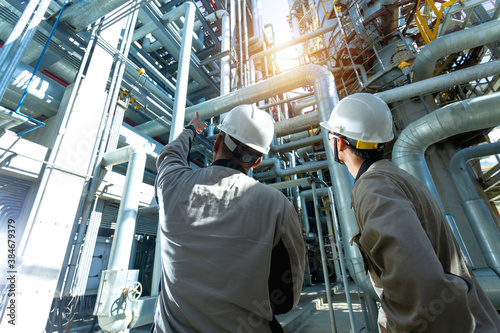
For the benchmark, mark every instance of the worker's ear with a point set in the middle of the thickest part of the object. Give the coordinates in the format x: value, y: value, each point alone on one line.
x: 217, y: 143
x: 257, y: 163
x: 341, y: 144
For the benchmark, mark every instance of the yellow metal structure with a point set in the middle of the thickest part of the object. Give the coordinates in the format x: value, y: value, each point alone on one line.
x: 424, y: 24
x: 329, y: 5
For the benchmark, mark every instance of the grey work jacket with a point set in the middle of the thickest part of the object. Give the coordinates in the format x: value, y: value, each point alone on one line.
x: 411, y: 253
x: 231, y: 248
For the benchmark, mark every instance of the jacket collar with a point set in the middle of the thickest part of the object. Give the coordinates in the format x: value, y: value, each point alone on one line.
x: 365, y: 166
x: 229, y: 164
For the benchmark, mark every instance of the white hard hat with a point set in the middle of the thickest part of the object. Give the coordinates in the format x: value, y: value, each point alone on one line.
x: 249, y: 125
x: 362, y: 117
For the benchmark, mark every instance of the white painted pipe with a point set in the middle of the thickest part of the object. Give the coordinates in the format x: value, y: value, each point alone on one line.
x: 183, y: 73
x: 119, y: 256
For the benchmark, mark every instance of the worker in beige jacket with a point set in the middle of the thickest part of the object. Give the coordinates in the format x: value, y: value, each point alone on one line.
x: 232, y: 249
x: 415, y: 264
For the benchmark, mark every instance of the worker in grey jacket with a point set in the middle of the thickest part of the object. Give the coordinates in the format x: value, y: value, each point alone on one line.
x: 415, y: 264
x: 232, y: 249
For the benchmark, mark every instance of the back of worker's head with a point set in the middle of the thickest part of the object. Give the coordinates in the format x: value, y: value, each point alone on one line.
x: 248, y: 132
x: 364, y: 121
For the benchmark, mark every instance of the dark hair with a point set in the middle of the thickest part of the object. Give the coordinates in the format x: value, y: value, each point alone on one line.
x: 367, y: 154
x: 228, y: 154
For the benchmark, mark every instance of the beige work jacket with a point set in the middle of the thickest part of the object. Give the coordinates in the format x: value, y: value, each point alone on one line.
x: 411, y: 253
x: 231, y: 247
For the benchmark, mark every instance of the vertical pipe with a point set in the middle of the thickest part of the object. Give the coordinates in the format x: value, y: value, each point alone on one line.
x: 323, y: 259
x: 11, y: 67
x: 245, y: 40
x: 233, y: 35
x: 183, y: 73
x: 341, y: 258
x: 121, y: 248
x: 240, y: 42
x: 225, y: 46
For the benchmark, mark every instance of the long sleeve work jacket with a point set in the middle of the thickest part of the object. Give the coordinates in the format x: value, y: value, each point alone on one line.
x: 232, y: 249
x: 410, y: 252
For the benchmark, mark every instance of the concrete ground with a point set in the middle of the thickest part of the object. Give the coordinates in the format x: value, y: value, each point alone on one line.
x: 312, y: 314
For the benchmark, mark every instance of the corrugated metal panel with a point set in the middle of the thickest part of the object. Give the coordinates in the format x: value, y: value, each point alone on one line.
x: 13, y: 192
x: 146, y: 224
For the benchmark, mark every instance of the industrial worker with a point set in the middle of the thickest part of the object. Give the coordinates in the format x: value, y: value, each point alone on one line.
x: 232, y: 249
x: 415, y: 264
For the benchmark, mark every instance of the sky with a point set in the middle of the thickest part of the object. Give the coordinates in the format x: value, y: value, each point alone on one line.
x: 276, y: 12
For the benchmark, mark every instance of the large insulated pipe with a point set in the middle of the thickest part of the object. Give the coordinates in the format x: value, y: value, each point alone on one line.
x: 480, y: 219
x: 7, y: 71
x: 247, y: 95
x: 397, y: 94
x: 85, y: 12
x: 44, y: 94
x: 440, y: 82
x: 183, y: 72
x: 119, y: 256
x: 256, y: 41
x: 464, y: 116
x: 425, y: 61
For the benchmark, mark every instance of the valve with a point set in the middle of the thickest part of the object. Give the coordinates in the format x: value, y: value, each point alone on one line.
x: 404, y: 67
x: 133, y: 293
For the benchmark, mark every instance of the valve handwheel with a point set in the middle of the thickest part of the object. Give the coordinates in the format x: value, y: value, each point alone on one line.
x: 134, y: 293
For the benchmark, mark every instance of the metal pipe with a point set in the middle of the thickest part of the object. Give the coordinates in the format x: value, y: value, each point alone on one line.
x: 308, y: 74
x: 425, y: 61
x: 285, y: 45
x: 278, y: 171
x: 6, y: 74
x: 119, y: 256
x: 459, y: 172
x: 44, y: 94
x: 464, y: 116
x: 164, y: 35
x: 183, y: 73
x: 299, y: 52
x: 481, y: 221
x: 397, y: 94
x: 17, y: 31
x: 245, y: 41
x: 303, y: 197
x: 240, y: 42
x: 297, y: 144
x: 301, y: 104
x: 225, y: 69
x: 341, y: 254
x: 324, y: 260
x: 256, y: 41
x: 83, y: 13
x: 440, y: 82
x: 102, y: 145
x: 490, y: 283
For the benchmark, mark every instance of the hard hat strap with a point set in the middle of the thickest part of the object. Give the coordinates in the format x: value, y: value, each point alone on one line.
x: 242, y: 153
